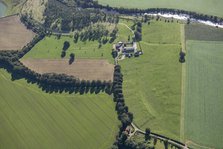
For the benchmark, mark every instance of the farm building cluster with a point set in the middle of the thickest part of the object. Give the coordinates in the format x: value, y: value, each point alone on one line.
x: 127, y: 49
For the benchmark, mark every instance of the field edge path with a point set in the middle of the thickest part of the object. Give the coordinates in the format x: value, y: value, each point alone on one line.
x: 183, y: 79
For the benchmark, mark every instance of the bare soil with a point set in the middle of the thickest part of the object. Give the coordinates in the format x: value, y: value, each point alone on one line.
x: 13, y: 34
x: 86, y: 69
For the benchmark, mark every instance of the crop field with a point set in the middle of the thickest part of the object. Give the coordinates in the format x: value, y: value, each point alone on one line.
x: 202, y: 6
x: 152, y: 82
x: 14, y: 36
x: 87, y: 69
x: 204, y: 105
x: 203, y: 32
x: 31, y: 118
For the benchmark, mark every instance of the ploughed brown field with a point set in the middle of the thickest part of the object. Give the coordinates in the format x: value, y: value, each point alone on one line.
x: 85, y: 69
x: 13, y: 33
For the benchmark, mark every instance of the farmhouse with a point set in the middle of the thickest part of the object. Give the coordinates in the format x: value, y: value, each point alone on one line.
x: 126, y: 48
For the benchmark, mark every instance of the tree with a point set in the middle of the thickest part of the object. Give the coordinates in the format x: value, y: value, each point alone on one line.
x: 138, y: 36
x: 66, y: 45
x: 63, y: 54
x: 114, y: 53
x: 72, y: 57
x: 147, y: 134
x: 182, y: 56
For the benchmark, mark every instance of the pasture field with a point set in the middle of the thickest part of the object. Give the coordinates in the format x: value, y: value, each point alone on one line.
x: 152, y: 89
x: 160, y: 32
x: 204, y: 104
x: 51, y: 48
x: 81, y: 68
x: 152, y: 82
x: 203, y: 32
x: 13, y: 34
x: 202, y: 6
x: 31, y: 118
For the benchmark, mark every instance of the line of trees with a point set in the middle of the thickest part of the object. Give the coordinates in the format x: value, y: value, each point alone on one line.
x: 124, y: 115
x: 138, y: 32
x: 51, y: 82
x: 30, y: 23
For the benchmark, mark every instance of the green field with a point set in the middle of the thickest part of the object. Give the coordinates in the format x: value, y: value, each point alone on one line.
x: 204, y: 104
x: 160, y: 32
x: 212, y: 7
x: 152, y: 82
x: 203, y: 32
x: 51, y: 48
x: 31, y: 118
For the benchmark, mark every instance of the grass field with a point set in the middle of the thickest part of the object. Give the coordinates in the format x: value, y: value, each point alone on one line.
x: 204, y: 105
x: 13, y: 34
x: 152, y: 82
x: 81, y: 68
x: 51, y: 48
x: 202, y: 6
x: 203, y: 32
x: 160, y: 32
x: 30, y: 118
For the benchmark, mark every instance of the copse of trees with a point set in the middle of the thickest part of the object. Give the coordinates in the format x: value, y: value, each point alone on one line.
x: 72, y: 16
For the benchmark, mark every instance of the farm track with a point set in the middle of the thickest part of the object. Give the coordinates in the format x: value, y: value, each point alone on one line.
x: 127, y: 27
x: 183, y: 79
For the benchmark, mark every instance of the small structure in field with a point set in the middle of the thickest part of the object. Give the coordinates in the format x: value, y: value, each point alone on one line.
x: 126, y: 49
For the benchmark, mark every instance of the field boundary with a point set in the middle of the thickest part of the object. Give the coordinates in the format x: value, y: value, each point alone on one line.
x: 183, y: 80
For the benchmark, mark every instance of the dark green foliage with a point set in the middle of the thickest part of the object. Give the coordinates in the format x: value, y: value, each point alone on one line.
x: 66, y: 45
x: 72, y: 16
x: 114, y: 54
x: 72, y: 58
x: 147, y: 134
x: 182, y: 57
x: 35, y: 26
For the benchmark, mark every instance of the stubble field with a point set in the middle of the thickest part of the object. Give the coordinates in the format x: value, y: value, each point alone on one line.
x: 13, y: 34
x: 86, y: 69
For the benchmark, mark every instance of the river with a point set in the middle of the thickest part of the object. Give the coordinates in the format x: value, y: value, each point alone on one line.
x: 2, y: 9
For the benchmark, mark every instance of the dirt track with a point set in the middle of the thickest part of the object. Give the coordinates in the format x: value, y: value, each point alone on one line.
x: 87, y: 69
x: 13, y: 34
